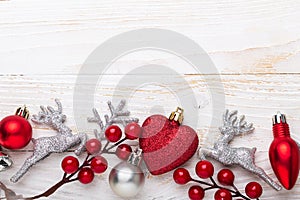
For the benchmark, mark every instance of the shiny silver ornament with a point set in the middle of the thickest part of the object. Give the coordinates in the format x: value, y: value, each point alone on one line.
x: 61, y: 142
x: 127, y: 179
x: 242, y: 156
x: 5, y: 161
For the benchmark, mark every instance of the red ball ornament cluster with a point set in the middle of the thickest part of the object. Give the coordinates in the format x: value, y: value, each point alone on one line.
x: 98, y: 164
x: 114, y: 134
x: 205, y: 170
x: 85, y: 172
x: 94, y: 162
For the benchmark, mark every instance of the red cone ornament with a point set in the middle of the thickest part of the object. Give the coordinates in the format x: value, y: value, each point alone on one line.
x: 284, y: 153
x: 15, y: 130
x: 167, y: 144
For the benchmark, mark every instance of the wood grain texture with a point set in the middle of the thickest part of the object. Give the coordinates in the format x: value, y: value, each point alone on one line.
x: 240, y: 36
x: 243, y: 92
x: 253, y: 44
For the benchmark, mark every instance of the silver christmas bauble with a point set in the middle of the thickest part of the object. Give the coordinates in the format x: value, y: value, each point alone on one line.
x: 126, y: 180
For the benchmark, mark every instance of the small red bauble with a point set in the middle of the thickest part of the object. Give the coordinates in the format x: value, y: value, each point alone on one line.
x: 70, y: 164
x: 204, y: 169
x: 15, y: 132
x: 253, y: 190
x: 223, y: 194
x: 123, y: 151
x: 181, y: 176
x: 133, y: 131
x: 93, y: 146
x: 196, y: 193
x: 165, y: 143
x: 86, y: 175
x: 99, y: 164
x: 113, y: 133
x: 226, y: 177
x: 284, y: 153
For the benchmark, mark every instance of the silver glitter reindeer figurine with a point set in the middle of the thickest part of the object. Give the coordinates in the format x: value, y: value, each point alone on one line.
x: 242, y: 156
x: 59, y: 143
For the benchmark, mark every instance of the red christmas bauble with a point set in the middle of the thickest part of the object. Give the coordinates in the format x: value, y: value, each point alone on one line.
x: 166, y: 144
x: 284, y: 153
x: 15, y: 132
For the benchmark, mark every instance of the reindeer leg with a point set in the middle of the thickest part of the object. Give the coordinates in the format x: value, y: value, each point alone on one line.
x: 262, y: 174
x: 207, y: 152
x: 82, y: 137
x: 27, y: 164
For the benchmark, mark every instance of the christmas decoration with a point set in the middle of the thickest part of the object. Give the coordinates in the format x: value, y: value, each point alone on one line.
x: 94, y: 161
x: 244, y: 157
x: 15, y: 130
x: 85, y: 171
x: 126, y: 179
x: 205, y: 170
x: 5, y: 161
x: 118, y: 116
x: 167, y: 144
x: 44, y: 146
x: 284, y: 153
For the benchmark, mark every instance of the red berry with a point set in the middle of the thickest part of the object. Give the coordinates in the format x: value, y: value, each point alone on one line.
x: 86, y: 175
x: 123, y: 151
x: 99, y: 164
x: 113, y: 133
x: 133, y: 131
x: 204, y: 169
x: 253, y: 190
x: 223, y: 194
x: 226, y: 177
x: 181, y: 176
x: 93, y: 146
x: 70, y: 164
x: 196, y: 192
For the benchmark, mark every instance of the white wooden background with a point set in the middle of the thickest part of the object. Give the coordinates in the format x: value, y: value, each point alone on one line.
x: 254, y: 44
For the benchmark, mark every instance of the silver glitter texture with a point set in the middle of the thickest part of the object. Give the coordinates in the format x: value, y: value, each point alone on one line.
x: 118, y: 116
x: 59, y: 143
x: 242, y: 156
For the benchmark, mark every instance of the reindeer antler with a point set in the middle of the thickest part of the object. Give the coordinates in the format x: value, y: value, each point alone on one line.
x: 238, y: 125
x: 45, y: 113
x: 118, y: 116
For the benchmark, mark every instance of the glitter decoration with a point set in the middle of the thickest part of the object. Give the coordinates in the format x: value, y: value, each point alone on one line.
x: 44, y: 146
x: 242, y: 156
x: 167, y: 144
x: 118, y: 116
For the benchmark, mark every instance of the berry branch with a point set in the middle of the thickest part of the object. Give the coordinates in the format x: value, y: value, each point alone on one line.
x: 94, y: 162
x: 204, y: 170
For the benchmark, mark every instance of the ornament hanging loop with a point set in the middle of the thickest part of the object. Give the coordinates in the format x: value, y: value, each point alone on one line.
x: 177, y: 115
x: 135, y: 157
x: 23, y: 112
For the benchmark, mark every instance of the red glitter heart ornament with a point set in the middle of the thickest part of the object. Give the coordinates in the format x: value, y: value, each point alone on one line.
x: 166, y: 144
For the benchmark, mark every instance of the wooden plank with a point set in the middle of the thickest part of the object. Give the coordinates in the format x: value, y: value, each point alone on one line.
x: 240, y: 37
x: 256, y: 96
